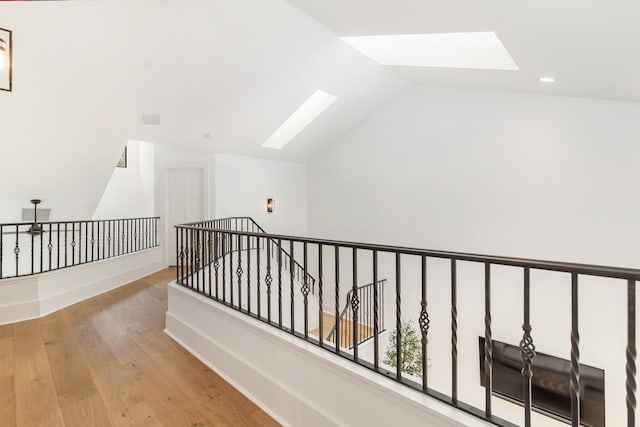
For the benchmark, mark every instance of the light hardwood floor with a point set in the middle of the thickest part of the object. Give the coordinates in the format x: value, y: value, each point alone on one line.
x: 346, y: 330
x: 107, y: 362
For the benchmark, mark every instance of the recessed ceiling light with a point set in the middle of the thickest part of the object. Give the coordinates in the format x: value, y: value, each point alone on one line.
x: 479, y: 50
x: 300, y: 119
x: 547, y: 79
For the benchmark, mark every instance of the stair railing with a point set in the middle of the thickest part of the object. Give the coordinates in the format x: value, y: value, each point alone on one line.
x: 365, y: 323
x: 247, y: 224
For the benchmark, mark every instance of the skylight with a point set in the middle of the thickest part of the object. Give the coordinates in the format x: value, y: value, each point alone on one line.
x: 480, y: 50
x: 300, y: 119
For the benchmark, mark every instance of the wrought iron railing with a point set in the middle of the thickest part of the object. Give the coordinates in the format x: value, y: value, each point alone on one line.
x: 28, y: 248
x: 248, y: 224
x: 261, y: 290
x: 366, y: 306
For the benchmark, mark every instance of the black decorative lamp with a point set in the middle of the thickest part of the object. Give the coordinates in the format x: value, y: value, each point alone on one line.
x: 271, y: 204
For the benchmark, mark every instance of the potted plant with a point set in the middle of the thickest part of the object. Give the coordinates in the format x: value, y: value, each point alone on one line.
x: 410, y: 345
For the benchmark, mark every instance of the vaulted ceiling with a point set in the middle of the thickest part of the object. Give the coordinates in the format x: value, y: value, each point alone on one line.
x: 223, y: 75
x: 592, y: 48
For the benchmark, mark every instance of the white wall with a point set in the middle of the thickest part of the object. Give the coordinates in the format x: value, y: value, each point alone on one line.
x: 63, y: 129
x: 489, y: 172
x: 243, y: 185
x: 130, y: 191
x: 503, y: 174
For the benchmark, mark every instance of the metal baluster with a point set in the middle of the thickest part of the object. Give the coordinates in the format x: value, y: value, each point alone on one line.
x: 98, y: 240
x: 209, y: 261
x: 224, y: 266
x: 80, y: 243
x: 32, y: 247
x: 216, y: 257
x: 41, y: 248
x: 248, y: 273
x: 631, y: 353
x: 73, y: 243
x: 355, y: 302
x: 203, y: 258
x: 189, y: 257
x: 2, y: 248
x: 336, y: 333
x: 280, y: 283
x: 268, y: 279
x: 239, y: 270
x: 488, y: 342
x: 527, y: 349
x: 424, y: 325
x: 49, y: 247
x: 196, y: 259
x: 16, y: 251
x: 231, y: 267
x: 258, y: 294
x: 93, y: 240
x: 177, y: 254
x: 454, y: 333
x: 65, y: 244
x: 398, y: 320
x: 376, y: 297
x: 320, y: 301
x: 291, y: 276
x: 58, y: 247
x: 575, y: 354
x: 305, y: 293
x: 86, y: 240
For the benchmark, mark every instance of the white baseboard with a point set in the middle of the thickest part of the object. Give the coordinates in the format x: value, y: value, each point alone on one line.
x: 31, y: 297
x: 294, y: 381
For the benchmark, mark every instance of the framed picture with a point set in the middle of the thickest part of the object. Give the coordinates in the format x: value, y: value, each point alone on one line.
x: 6, y: 62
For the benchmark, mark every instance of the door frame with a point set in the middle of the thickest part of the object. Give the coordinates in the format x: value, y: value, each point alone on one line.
x: 164, y: 197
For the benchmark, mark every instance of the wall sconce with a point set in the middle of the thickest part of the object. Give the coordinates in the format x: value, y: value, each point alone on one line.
x: 6, y: 63
x: 271, y: 204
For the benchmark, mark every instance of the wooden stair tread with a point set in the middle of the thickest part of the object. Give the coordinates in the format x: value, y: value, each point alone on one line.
x: 346, y: 330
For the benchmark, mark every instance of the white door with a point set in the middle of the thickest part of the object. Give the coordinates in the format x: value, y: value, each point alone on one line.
x: 185, y: 202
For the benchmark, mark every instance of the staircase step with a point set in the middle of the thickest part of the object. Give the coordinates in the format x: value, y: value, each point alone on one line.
x: 346, y: 330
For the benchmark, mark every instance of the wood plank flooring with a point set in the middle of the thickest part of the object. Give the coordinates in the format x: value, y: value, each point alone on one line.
x: 346, y: 330
x: 107, y: 362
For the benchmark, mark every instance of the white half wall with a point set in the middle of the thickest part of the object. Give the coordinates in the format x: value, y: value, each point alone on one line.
x: 243, y: 185
x: 489, y: 172
x: 298, y: 384
x: 30, y: 297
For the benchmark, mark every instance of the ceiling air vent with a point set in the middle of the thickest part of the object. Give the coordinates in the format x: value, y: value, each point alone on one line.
x: 150, y: 119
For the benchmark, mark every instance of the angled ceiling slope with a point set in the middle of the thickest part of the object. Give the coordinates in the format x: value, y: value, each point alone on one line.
x: 590, y: 48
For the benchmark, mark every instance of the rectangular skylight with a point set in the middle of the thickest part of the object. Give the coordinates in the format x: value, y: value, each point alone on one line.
x: 300, y: 119
x: 479, y: 50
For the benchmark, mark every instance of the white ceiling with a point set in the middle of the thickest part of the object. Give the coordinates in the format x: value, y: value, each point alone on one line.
x: 591, y: 47
x: 224, y: 74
